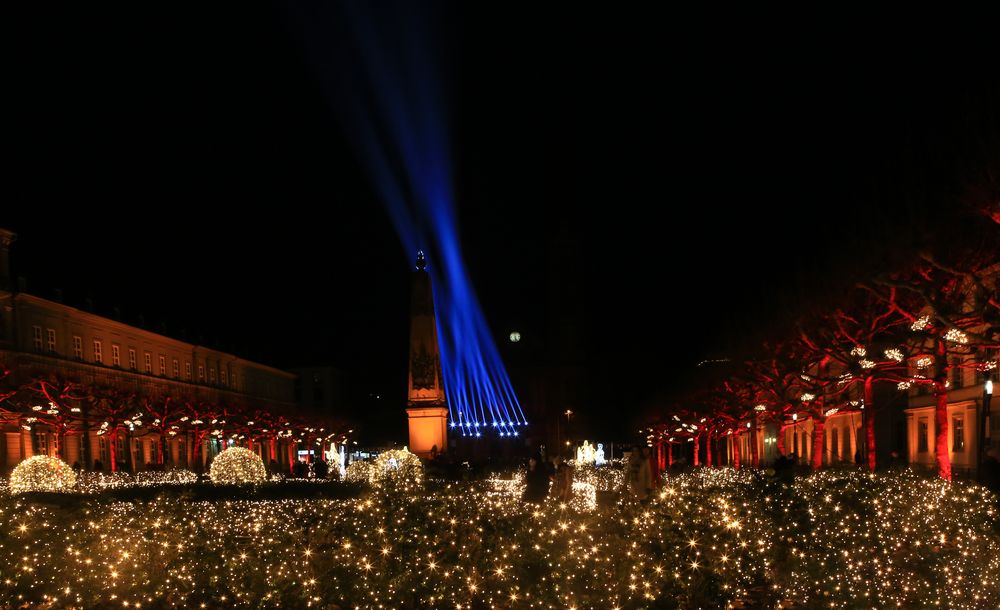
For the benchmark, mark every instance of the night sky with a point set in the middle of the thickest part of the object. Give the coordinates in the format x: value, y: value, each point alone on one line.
x: 669, y: 188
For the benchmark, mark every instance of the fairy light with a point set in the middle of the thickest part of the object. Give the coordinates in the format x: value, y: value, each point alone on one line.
x: 806, y: 397
x: 859, y: 351
x: 956, y: 336
x: 924, y: 362
x: 894, y: 354
x: 711, y: 537
x: 237, y: 465
x: 921, y: 323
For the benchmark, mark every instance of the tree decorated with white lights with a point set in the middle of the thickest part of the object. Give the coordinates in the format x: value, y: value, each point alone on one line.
x: 204, y: 419
x: 164, y: 413
x: 863, y: 340
x: 52, y: 401
x: 953, y: 312
x: 116, y: 414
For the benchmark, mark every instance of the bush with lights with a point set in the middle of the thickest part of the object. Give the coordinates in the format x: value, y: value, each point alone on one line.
x: 398, y: 470
x: 237, y: 466
x: 359, y: 472
x: 42, y: 473
x: 710, y: 538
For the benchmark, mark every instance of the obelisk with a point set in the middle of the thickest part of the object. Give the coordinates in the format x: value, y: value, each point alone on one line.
x: 426, y: 404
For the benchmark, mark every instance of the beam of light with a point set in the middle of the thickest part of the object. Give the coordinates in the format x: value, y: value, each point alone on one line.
x: 395, y: 116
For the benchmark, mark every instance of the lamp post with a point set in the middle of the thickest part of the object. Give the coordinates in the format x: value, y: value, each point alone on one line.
x: 984, y: 438
x: 795, y: 438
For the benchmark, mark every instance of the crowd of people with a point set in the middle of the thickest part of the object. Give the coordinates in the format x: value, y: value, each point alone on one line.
x: 555, y: 476
x: 541, y: 473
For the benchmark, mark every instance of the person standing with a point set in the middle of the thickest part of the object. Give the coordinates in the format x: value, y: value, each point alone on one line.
x: 564, y: 481
x: 640, y: 475
x: 536, y: 482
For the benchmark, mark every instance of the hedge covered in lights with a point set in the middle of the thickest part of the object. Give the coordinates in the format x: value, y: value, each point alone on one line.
x: 237, y: 466
x: 42, y: 473
x: 713, y: 538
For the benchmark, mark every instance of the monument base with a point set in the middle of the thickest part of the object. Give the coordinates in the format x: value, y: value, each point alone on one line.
x: 428, y: 430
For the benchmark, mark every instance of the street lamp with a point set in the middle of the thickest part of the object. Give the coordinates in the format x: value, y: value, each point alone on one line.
x: 984, y: 441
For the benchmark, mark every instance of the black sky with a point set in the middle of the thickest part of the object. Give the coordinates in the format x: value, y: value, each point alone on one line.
x: 673, y: 176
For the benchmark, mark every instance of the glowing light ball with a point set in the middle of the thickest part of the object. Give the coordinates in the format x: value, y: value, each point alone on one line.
x: 359, y: 472
x: 42, y: 473
x: 238, y: 466
x: 397, y: 469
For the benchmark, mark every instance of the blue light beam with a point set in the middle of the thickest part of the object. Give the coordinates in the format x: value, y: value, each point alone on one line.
x: 394, y: 113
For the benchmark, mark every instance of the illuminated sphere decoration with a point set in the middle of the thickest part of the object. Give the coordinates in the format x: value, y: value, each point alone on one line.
x: 359, y: 471
x: 42, y: 473
x: 397, y: 469
x: 237, y: 466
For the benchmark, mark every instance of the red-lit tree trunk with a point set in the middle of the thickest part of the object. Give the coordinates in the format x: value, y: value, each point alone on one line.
x: 696, y: 449
x: 670, y: 455
x: 736, y: 450
x: 870, y: 423
x: 272, y: 448
x: 941, y: 412
x: 754, y: 451
x: 817, y: 461
x: 113, y: 449
x: 708, y: 448
x: 781, y: 440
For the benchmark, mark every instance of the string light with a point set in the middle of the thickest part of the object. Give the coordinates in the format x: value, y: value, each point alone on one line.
x: 894, y: 354
x: 956, y: 336
x: 710, y: 538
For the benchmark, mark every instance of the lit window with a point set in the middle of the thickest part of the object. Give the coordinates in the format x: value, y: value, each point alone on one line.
x: 131, y: 359
x: 37, y: 330
x: 922, y: 435
x: 41, y: 443
x: 957, y: 380
x: 958, y: 434
x: 147, y: 361
x: 225, y: 377
x: 177, y: 369
x: 201, y: 372
x: 98, y: 354
x: 78, y: 347
x: 51, y: 339
x: 211, y: 375
x: 163, y: 366
x: 116, y: 356
x: 187, y: 370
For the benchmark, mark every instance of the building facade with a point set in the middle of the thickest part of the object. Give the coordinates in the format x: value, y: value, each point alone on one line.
x: 43, y: 339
